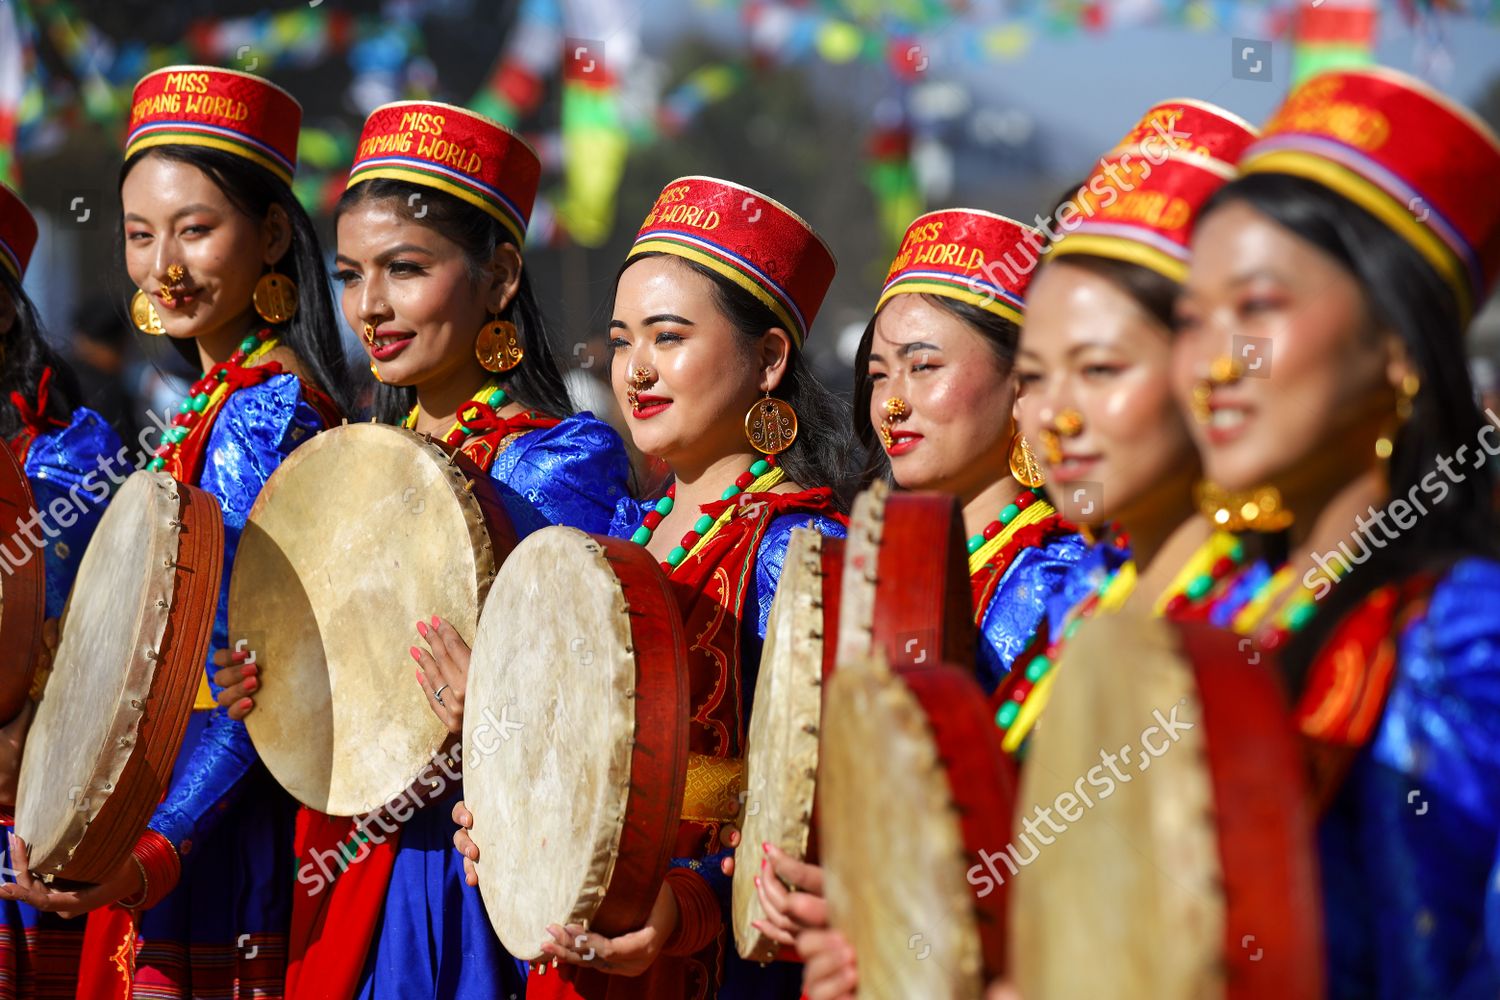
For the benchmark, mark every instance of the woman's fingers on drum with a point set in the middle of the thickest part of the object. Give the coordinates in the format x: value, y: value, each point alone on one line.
x: 829, y: 973
x: 774, y: 933
x: 806, y: 877
x: 462, y: 816
x: 466, y: 845
x: 435, y: 693
x: 806, y: 909
x: 773, y: 902
x: 471, y: 874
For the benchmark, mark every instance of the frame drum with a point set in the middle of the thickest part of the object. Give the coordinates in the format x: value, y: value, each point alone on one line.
x: 575, y: 737
x: 1193, y: 877
x: 23, y: 595
x: 781, y: 748
x: 914, y: 786
x: 132, y: 653
x: 360, y: 533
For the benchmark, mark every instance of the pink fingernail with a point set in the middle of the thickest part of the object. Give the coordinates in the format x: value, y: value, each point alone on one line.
x: 246, y: 703
x: 251, y: 684
x: 757, y: 881
x: 416, y: 654
x: 422, y: 629
x: 436, y: 621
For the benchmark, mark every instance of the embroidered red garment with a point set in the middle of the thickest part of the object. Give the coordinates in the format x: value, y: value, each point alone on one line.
x: 1351, y: 677
x: 34, y: 419
x: 490, y: 430
x: 986, y: 580
x: 712, y: 587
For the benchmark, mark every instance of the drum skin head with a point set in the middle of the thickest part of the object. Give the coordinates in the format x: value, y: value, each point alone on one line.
x: 130, y: 658
x: 892, y: 845
x: 1148, y: 846
x: 360, y: 533
x: 781, y: 758
x: 550, y: 719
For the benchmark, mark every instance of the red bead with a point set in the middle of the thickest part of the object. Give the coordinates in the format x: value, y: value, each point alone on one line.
x: 1222, y: 567
x: 652, y: 519
x: 1024, y: 500
x: 1179, y: 602
x: 1022, y: 689
x: 689, y: 540
x: 162, y: 450
x: 745, y: 479
x: 991, y: 530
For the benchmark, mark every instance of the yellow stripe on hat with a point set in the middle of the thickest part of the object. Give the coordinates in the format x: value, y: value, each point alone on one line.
x: 426, y: 179
x: 210, y: 142
x: 734, y: 274
x: 1124, y: 249
x: 989, y: 303
x: 1379, y: 203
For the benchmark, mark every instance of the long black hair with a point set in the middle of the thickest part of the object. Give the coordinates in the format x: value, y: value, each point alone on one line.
x: 818, y: 456
x: 537, y: 382
x: 26, y: 355
x: 1404, y: 294
x: 1001, y: 335
x: 312, y: 334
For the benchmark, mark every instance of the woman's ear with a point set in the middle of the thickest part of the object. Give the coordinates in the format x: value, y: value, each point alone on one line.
x: 1400, y: 372
x: 276, y: 233
x: 775, y: 357
x: 502, y: 278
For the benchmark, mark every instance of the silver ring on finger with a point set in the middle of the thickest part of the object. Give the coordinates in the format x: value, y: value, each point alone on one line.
x: 438, y: 694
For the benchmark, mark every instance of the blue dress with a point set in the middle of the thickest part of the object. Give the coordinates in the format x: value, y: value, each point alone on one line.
x: 74, y: 468
x: 434, y: 939
x: 231, y: 823
x: 1408, y: 846
x: 744, y: 980
x: 1032, y: 583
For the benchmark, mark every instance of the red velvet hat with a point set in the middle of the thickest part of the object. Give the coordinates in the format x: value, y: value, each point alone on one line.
x: 976, y: 257
x: 1141, y: 201
x: 220, y: 109
x: 754, y: 241
x: 17, y: 233
x: 454, y: 150
x: 1192, y: 126
x: 1409, y: 156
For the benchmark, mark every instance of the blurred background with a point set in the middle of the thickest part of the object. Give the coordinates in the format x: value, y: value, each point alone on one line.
x: 857, y: 114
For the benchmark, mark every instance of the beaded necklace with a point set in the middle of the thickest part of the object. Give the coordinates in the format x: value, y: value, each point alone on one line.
x: 701, y: 527
x: 489, y: 394
x: 1215, y: 560
x: 208, y: 390
x: 1291, y: 617
x: 1009, y: 514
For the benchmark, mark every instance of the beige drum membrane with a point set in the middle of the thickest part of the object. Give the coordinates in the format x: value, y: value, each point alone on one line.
x: 362, y: 531
x: 781, y: 758
x: 563, y: 719
x: 131, y: 656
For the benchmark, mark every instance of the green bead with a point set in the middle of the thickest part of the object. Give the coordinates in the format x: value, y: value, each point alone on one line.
x: 703, y: 523
x: 155, y: 465
x: 760, y: 468
x: 221, y: 374
x: 466, y: 429
x: 200, y: 401
x: 1236, y: 551
x: 248, y: 344
x: 1072, y: 628
x: 642, y: 535
x: 677, y: 555
x: 974, y: 544
x: 1007, y: 714
x: 1037, y: 669
x: 730, y: 493
x: 1300, y: 616
x: 496, y: 398
x: 1199, y: 586
x: 1009, y: 513
x: 186, y: 406
x: 664, y: 506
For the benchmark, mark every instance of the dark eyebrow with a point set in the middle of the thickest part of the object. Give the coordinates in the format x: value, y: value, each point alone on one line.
x: 907, y: 350
x: 184, y: 210
x: 652, y: 321
x: 385, y: 256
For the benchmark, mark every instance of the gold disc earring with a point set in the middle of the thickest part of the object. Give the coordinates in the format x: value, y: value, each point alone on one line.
x: 144, y: 315
x: 275, y: 298
x: 771, y: 425
x: 1023, y: 464
x: 498, y: 347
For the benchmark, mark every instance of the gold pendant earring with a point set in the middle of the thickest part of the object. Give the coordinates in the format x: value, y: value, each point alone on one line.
x: 1385, y: 445
x: 498, y: 347
x: 275, y: 298
x: 771, y: 425
x: 896, y: 409
x: 1023, y: 464
x: 144, y: 315
x: 374, y: 371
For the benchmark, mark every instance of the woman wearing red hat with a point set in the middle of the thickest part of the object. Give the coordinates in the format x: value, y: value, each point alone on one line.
x: 1348, y: 258
x: 710, y: 313
x: 228, y: 266
x: 427, y: 256
x: 69, y: 455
